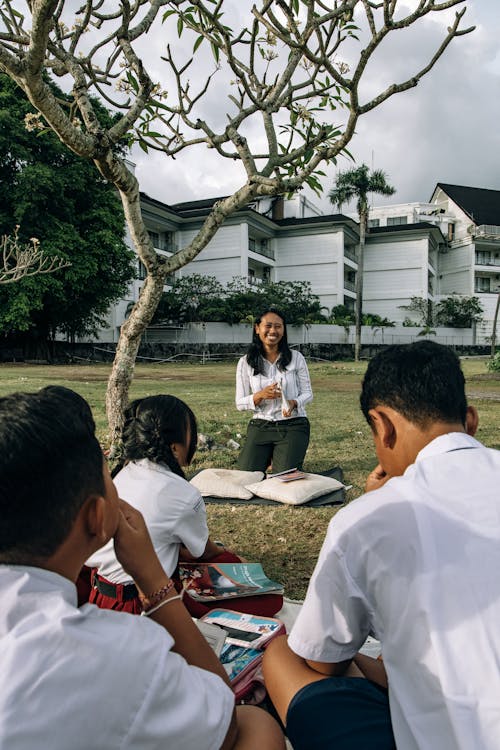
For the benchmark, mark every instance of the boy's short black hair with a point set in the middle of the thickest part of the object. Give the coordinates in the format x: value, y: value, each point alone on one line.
x: 50, y: 462
x: 423, y: 381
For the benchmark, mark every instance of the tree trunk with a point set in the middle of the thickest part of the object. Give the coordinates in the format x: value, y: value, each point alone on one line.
x: 494, y: 331
x: 358, y: 310
x: 122, y: 371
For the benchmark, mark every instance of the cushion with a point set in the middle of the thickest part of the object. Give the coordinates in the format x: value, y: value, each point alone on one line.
x: 295, y: 493
x: 226, y: 483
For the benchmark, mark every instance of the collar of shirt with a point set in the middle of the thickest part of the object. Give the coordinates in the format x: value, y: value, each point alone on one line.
x: 29, y: 578
x: 452, y: 441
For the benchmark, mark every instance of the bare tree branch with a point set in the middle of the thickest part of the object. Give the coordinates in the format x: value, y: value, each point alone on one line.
x: 19, y: 261
x: 288, y: 85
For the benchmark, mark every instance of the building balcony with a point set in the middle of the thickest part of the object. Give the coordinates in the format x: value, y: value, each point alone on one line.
x: 260, y: 246
x: 485, y: 259
x: 255, y: 280
x: 350, y: 254
x: 349, y: 285
x: 487, y: 232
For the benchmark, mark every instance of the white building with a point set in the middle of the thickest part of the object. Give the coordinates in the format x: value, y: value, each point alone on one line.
x: 428, y: 250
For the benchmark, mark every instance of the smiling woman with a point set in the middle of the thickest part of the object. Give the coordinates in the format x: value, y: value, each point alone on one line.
x: 273, y: 382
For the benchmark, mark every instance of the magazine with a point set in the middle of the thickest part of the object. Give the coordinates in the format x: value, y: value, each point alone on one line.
x: 208, y: 582
x: 292, y: 476
x: 244, y: 629
x: 241, y: 655
x: 282, y: 473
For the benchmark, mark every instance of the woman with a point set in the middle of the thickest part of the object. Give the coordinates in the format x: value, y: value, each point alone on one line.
x: 159, y: 436
x: 273, y: 382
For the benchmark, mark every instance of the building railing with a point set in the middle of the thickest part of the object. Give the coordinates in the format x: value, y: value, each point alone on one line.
x: 260, y: 247
x: 488, y: 231
x: 350, y: 254
x: 486, y: 261
x: 349, y: 285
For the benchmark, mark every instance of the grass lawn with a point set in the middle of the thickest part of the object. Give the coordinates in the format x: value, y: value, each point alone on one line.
x: 285, y: 539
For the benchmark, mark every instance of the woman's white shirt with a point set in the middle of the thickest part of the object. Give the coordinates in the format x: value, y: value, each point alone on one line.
x: 174, y: 512
x: 295, y: 384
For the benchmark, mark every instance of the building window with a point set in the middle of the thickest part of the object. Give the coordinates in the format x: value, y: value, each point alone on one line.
x: 483, y: 257
x: 141, y: 270
x: 393, y: 221
x: 155, y: 239
x: 482, y: 284
x: 373, y: 223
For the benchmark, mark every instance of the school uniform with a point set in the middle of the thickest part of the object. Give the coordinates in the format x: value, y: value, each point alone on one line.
x: 270, y: 435
x: 175, y: 515
x: 414, y: 564
x: 90, y: 678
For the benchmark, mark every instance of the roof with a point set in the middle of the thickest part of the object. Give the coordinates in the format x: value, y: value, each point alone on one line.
x: 322, y: 219
x: 403, y: 228
x: 481, y: 204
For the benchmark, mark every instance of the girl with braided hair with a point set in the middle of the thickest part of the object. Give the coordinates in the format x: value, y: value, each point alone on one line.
x: 159, y: 438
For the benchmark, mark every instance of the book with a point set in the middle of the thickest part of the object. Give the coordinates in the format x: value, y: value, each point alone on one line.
x: 241, y: 655
x: 282, y: 473
x: 292, y: 476
x: 215, y: 635
x: 243, y: 629
x: 208, y: 582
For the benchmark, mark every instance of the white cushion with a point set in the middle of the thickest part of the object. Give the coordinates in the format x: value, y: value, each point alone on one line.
x: 226, y: 483
x: 295, y: 493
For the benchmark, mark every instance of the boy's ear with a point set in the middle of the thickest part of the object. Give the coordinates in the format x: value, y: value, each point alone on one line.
x: 383, y: 426
x: 95, y: 518
x: 471, y: 421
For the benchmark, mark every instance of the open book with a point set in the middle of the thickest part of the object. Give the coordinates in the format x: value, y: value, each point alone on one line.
x: 208, y: 582
x: 245, y: 636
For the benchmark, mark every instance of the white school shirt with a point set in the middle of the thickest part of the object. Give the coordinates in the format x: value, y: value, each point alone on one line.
x: 173, y: 510
x: 417, y: 564
x: 94, y: 679
x: 295, y: 384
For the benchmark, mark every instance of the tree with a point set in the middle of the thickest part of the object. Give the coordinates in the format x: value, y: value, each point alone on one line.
x: 204, y: 298
x: 357, y: 183
x: 19, y: 261
x: 59, y: 198
x: 459, y: 312
x: 287, y: 85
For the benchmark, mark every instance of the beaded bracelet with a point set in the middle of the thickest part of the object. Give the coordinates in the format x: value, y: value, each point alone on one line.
x: 157, y: 596
x: 148, y: 612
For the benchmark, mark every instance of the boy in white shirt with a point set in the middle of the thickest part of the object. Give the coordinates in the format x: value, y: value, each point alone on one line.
x: 413, y: 562
x: 91, y: 678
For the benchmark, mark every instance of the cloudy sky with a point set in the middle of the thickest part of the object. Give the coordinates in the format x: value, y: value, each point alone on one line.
x: 445, y: 130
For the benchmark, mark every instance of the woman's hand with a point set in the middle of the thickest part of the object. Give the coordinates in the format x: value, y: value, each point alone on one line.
x: 270, y: 392
x: 292, y: 405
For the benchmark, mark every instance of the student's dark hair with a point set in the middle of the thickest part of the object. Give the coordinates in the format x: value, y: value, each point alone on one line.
x: 151, y: 425
x: 50, y: 463
x: 255, y: 352
x: 423, y: 381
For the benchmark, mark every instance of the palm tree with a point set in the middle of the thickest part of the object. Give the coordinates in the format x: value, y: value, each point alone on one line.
x: 357, y: 183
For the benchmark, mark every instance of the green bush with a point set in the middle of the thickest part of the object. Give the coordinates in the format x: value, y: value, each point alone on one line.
x: 494, y: 363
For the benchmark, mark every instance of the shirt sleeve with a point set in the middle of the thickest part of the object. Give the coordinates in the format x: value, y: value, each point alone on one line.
x: 183, y: 707
x: 304, y: 388
x: 191, y: 527
x: 244, y: 395
x: 335, y: 618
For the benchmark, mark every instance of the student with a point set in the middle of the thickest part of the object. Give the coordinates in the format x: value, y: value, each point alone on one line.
x: 273, y: 382
x: 413, y: 562
x: 159, y: 438
x: 90, y: 678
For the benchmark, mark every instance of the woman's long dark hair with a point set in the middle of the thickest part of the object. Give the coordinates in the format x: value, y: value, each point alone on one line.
x: 151, y: 425
x: 255, y: 352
